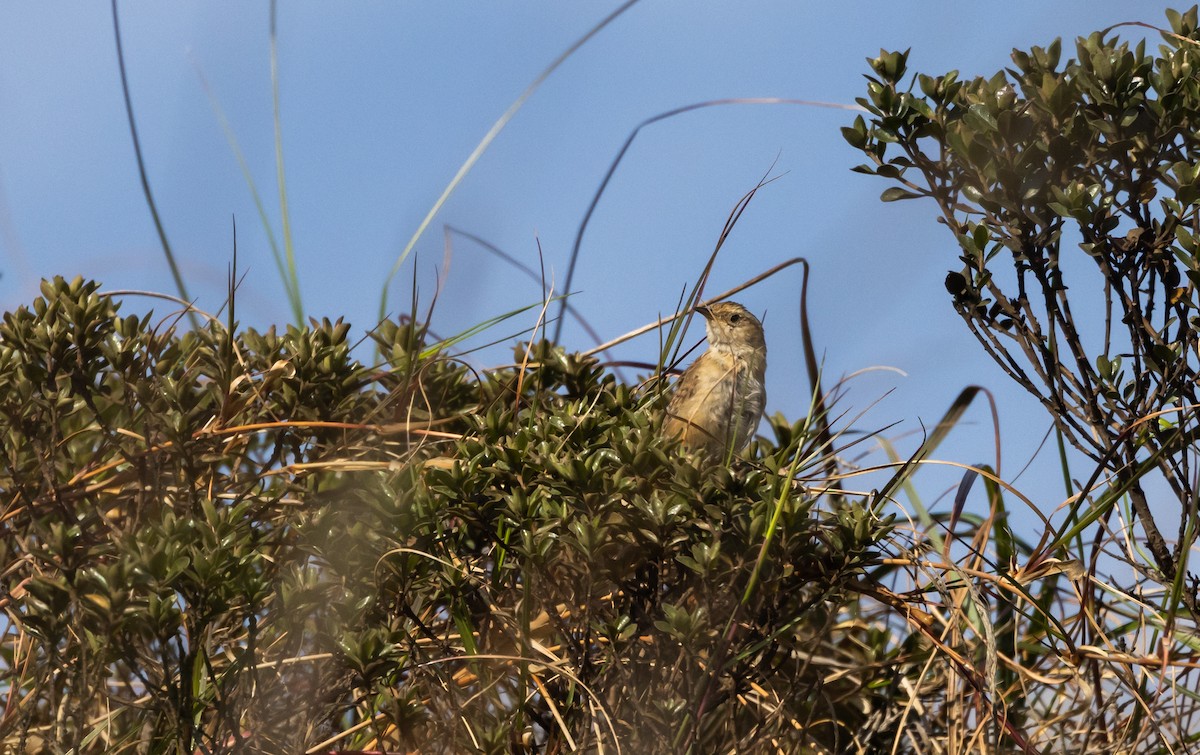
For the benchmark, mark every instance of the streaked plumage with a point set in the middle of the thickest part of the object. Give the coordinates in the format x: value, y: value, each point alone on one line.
x: 719, y: 400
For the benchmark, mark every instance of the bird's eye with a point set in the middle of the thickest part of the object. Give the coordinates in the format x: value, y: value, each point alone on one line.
x: 734, y: 317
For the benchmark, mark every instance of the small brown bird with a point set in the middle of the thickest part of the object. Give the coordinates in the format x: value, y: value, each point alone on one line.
x: 720, y: 398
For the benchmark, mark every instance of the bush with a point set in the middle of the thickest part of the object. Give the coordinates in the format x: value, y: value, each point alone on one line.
x: 1071, y: 190
x: 254, y: 543
x: 1104, y: 153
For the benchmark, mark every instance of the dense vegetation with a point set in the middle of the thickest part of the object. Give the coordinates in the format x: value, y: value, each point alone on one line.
x: 216, y: 539
x: 1072, y: 190
x: 256, y: 543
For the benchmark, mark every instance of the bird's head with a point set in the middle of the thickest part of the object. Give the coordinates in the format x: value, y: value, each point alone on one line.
x: 731, y: 327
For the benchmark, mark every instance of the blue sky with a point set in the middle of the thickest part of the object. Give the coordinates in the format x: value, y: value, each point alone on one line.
x: 382, y: 102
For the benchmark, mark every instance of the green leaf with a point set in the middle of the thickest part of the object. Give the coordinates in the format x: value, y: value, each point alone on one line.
x: 856, y: 134
x: 979, y: 119
x: 895, y: 194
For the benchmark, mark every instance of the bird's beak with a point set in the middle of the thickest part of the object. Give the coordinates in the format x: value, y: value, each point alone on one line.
x: 705, y: 311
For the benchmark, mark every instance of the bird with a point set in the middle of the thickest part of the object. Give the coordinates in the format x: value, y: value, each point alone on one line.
x: 719, y: 400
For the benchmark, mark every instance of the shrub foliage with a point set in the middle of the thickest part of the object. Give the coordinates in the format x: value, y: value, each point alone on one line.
x: 1072, y: 189
x: 225, y: 540
x: 255, y: 543
x: 1060, y: 180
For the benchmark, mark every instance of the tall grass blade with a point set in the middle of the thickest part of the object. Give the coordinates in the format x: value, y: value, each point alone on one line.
x: 692, y: 299
x: 446, y: 343
x: 486, y: 142
x: 534, y: 275
x: 813, y: 367
x: 948, y: 422
x: 290, y: 289
x: 612, y: 168
x: 141, y: 163
x: 285, y: 217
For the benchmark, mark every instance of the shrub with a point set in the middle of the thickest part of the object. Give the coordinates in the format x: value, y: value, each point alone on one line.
x: 254, y: 543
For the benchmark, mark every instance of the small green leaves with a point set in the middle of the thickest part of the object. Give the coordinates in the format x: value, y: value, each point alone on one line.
x: 856, y: 135
x: 682, y: 625
x: 979, y: 119
x: 1071, y: 187
x: 1184, y: 24
x: 896, y: 193
x: 196, y: 512
x: 890, y: 66
x: 1108, y: 369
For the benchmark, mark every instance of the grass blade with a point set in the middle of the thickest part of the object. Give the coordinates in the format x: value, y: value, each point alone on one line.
x: 486, y: 142
x: 141, y: 163
x: 289, y: 249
